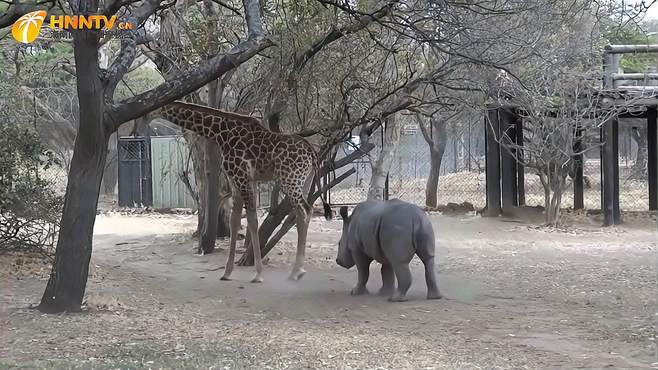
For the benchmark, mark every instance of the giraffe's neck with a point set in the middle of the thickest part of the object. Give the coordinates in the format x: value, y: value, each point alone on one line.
x: 211, y: 123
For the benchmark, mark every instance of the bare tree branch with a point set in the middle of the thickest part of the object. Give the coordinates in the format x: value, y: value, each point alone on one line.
x: 189, y: 81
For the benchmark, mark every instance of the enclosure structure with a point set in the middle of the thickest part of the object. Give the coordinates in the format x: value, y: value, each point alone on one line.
x: 134, y: 177
x: 505, y: 176
x: 171, y: 162
x: 157, y: 171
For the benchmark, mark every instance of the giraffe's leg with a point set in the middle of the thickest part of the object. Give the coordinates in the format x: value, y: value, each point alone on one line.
x: 236, y: 215
x: 252, y: 225
x: 303, y: 218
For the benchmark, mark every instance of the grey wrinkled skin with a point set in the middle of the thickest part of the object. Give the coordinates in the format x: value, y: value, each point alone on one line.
x: 389, y: 232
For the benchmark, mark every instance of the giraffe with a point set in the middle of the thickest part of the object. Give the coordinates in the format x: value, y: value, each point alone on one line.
x: 252, y: 153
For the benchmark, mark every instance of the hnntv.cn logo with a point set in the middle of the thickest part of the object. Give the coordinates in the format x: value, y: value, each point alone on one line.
x: 27, y: 28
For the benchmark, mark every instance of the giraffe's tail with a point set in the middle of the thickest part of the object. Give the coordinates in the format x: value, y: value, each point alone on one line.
x: 328, y: 214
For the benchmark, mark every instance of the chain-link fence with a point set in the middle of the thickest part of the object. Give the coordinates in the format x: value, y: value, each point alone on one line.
x: 462, y: 172
x: 633, y: 180
x: 461, y: 175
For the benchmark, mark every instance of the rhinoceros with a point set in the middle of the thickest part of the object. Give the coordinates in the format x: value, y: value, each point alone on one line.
x: 389, y: 232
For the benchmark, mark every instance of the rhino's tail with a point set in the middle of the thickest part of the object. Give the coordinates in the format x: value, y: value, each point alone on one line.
x: 423, y: 236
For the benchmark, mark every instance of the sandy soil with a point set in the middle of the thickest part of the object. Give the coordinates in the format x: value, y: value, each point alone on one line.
x: 517, y: 296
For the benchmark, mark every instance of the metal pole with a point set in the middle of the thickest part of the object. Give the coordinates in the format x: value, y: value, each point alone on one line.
x: 578, y: 196
x: 492, y: 164
x: 652, y: 153
x: 615, y: 163
x: 520, y: 169
x: 508, y: 162
x: 469, y: 145
x: 383, y: 131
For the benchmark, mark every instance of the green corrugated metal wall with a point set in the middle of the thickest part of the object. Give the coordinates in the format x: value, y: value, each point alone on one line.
x: 169, y: 155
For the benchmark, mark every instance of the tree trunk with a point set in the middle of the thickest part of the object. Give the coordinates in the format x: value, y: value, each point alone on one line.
x: 213, y: 224
x: 196, y: 145
x: 111, y: 173
x: 225, y: 207
x: 436, y: 137
x: 66, y: 286
x: 554, y: 183
x: 211, y: 162
x: 140, y: 126
x: 640, y: 168
x: 211, y: 198
x: 553, y: 212
x: 382, y: 166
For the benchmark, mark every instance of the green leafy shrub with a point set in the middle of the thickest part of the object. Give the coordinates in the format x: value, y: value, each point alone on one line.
x: 29, y: 205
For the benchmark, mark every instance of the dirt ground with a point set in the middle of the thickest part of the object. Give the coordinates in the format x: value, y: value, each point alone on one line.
x: 517, y: 296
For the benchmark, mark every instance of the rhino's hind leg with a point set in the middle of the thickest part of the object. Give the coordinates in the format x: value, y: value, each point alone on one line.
x: 430, y: 279
x: 388, y: 280
x: 363, y: 268
x: 403, y: 276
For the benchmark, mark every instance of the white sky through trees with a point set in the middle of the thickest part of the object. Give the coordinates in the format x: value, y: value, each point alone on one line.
x: 652, y: 12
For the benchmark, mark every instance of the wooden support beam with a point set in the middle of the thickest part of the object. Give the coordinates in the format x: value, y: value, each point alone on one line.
x: 614, y: 69
x: 520, y: 169
x: 635, y: 76
x: 623, y: 49
x: 637, y: 89
x: 578, y: 192
x: 610, y: 174
x: 508, y: 162
x: 652, y: 153
x: 608, y: 62
x: 633, y: 115
x: 492, y: 163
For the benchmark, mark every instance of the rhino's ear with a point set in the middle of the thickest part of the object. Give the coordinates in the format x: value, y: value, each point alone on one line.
x: 343, y: 213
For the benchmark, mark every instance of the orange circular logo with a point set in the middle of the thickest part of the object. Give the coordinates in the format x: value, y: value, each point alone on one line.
x: 26, y: 29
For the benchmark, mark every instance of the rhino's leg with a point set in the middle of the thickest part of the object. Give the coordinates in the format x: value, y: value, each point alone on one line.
x: 388, y: 280
x: 425, y: 252
x: 403, y: 276
x: 430, y: 279
x: 362, y: 262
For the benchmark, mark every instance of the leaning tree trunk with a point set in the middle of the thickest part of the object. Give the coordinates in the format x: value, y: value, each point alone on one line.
x: 284, y: 213
x: 436, y: 138
x: 68, y: 278
x: 382, y: 166
x: 640, y: 168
